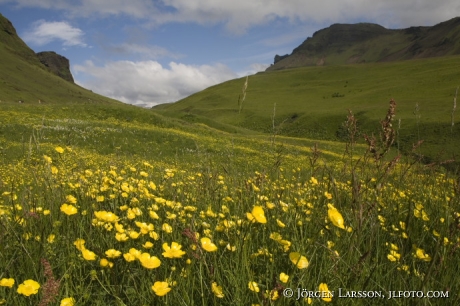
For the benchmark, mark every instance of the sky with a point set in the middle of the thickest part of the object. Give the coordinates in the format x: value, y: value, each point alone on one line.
x: 146, y: 53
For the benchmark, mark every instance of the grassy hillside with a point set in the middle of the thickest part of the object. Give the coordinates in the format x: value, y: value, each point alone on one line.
x: 312, y: 102
x: 25, y: 78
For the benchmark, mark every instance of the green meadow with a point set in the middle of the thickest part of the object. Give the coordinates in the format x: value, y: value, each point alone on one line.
x: 312, y: 102
x: 277, y: 199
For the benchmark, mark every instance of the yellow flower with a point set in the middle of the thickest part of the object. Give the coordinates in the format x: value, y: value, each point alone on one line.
x: 68, y: 302
x: 28, y: 287
x: 59, y: 150
x: 328, y: 195
x: 87, y: 254
x: 79, y: 244
x: 161, y: 288
x: 257, y: 214
x: 326, y: 295
x: 149, y: 262
x: 284, y: 277
x: 253, y: 286
x: 71, y: 199
x: 133, y: 234
x: 420, y: 254
x: 167, y: 228
x: 112, y: 253
x: 47, y: 159
x: 69, y: 209
x: 106, y: 216
x: 217, y: 290
x: 51, y: 238
x: 300, y: 261
x: 121, y: 237
x: 104, y: 263
x: 393, y: 256
x: 7, y: 282
x: 280, y: 224
x: 147, y: 245
x: 129, y: 257
x: 174, y: 251
x: 207, y: 244
x: 335, y: 216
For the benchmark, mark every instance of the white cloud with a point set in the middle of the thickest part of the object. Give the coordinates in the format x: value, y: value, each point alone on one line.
x: 239, y: 15
x: 43, y: 32
x: 148, y: 82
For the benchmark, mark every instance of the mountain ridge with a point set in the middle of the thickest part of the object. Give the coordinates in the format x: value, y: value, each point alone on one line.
x: 368, y: 42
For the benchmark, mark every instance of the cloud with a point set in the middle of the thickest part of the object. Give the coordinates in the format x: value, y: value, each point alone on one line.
x: 43, y: 32
x: 148, y: 82
x: 240, y: 15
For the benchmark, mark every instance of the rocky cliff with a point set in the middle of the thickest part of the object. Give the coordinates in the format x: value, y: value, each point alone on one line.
x: 57, y: 64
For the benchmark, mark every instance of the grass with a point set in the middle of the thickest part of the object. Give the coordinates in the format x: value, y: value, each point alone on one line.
x: 311, y: 102
x: 280, y: 212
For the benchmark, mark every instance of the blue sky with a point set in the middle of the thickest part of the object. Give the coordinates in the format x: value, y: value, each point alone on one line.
x: 150, y: 52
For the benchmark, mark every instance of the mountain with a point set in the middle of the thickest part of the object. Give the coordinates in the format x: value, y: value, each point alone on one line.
x: 366, y: 42
x: 37, y: 78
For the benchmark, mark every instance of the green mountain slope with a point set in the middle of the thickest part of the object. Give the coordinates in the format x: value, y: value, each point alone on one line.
x: 365, y: 42
x: 312, y: 102
x: 25, y: 78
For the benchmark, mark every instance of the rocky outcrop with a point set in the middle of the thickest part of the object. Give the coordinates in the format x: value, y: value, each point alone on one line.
x: 57, y: 64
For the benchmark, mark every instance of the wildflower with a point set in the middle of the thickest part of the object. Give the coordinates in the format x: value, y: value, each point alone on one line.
x: 59, y: 150
x: 161, y: 288
x: 112, y: 253
x: 147, y: 245
x: 174, y: 251
x: 129, y: 257
x: 217, y: 290
x: 420, y: 254
x: 335, y: 216
x: 79, y: 244
x: 253, y: 286
x: 71, y: 199
x: 149, y: 262
x: 326, y: 295
x: 106, y: 216
x: 144, y: 227
x: 167, y: 228
x: 70, y: 301
x: 207, y: 244
x: 87, y: 254
x: 69, y: 209
x: 280, y: 224
x: 133, y: 234
x: 257, y: 214
x: 28, y: 287
x: 393, y: 256
x: 104, y: 262
x: 121, y: 237
x: 328, y: 195
x: 51, y: 238
x: 300, y: 261
x: 7, y: 282
x: 284, y: 277
x: 47, y: 159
